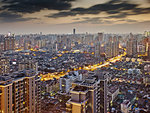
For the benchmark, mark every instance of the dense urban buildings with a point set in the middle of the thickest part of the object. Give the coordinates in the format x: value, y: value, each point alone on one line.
x: 74, y: 56
x: 75, y: 73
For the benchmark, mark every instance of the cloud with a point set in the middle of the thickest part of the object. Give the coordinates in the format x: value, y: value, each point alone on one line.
x: 129, y: 20
x: 114, y: 8
x: 11, y: 17
x: 95, y: 20
x: 31, y: 6
x: 121, y: 15
x: 13, y: 10
x: 76, y: 19
x: 111, y: 7
x: 102, y: 21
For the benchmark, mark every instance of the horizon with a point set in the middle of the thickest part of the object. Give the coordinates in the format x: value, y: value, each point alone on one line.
x: 71, y: 33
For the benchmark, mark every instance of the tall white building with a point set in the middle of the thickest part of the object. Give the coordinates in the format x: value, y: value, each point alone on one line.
x: 88, y: 96
x: 66, y: 81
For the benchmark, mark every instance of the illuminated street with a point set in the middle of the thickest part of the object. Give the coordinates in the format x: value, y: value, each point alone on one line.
x: 89, y: 68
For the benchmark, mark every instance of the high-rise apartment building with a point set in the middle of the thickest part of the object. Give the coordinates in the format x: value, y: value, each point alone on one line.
x: 89, y: 96
x: 28, y: 63
x: 97, y: 49
x: 4, y: 65
x: 1, y: 43
x: 100, y: 37
x: 116, y: 46
x: 37, y: 94
x: 9, y: 43
x: 74, y: 31
x: 108, y: 50
x: 98, y: 45
x: 18, y: 93
x: 65, y: 81
x: 112, y: 47
x: 131, y: 45
x: 148, y: 46
x: 6, y: 95
x: 147, y: 33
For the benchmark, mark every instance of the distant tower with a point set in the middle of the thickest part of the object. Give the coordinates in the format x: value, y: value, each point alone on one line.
x: 40, y: 33
x: 100, y: 37
x: 74, y: 31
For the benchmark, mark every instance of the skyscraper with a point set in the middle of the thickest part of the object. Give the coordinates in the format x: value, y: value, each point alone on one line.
x: 74, y: 31
x: 98, y: 45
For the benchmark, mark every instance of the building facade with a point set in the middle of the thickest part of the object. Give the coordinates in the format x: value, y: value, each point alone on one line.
x: 9, y: 43
x: 4, y: 65
x: 89, y: 96
x: 18, y: 93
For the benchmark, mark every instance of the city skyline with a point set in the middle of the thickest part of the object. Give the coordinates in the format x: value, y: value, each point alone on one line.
x: 74, y: 56
x: 76, y: 73
x: 60, y: 17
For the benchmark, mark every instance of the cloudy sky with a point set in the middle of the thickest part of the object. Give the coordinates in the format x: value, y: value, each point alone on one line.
x: 61, y: 16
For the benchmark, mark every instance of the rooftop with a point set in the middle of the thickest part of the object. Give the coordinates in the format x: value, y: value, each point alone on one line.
x: 80, y: 88
x: 8, y: 78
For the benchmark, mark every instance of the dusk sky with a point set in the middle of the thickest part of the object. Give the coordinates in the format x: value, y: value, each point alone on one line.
x: 61, y: 16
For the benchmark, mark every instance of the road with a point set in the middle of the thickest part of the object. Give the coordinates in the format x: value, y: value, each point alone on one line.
x: 49, y: 76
